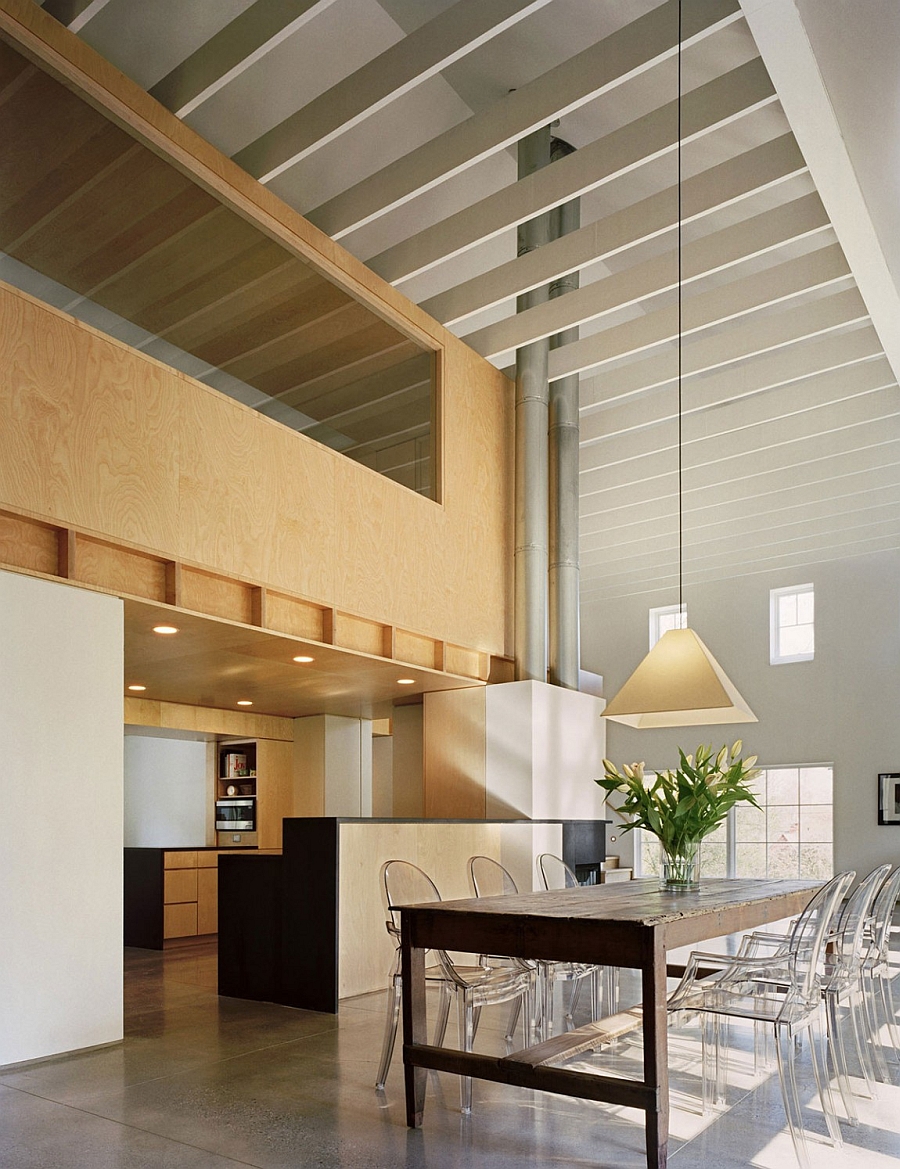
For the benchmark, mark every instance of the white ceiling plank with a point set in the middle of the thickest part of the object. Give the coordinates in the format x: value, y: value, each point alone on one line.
x: 749, y: 542
x: 721, y: 419
x: 563, y: 89
x: 812, y: 513
x: 422, y: 54
x: 714, y: 253
x: 820, y: 484
x: 707, y: 108
x: 765, y: 374
x: 75, y: 14
x: 759, y: 335
x: 778, y: 29
x: 731, y: 476
x: 241, y: 43
x: 766, y: 166
x: 772, y: 286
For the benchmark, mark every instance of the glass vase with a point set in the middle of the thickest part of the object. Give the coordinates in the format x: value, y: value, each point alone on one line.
x: 680, y: 871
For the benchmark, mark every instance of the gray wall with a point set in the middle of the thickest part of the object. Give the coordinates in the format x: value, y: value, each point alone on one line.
x: 165, y: 792
x: 842, y: 708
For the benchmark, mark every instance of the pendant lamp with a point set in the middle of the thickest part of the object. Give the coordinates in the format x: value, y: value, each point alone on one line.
x: 679, y: 683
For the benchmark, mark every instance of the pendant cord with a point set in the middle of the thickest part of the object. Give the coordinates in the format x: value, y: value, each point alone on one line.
x: 680, y: 297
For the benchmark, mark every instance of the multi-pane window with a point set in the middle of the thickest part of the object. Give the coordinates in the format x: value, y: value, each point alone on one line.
x: 791, y: 624
x: 664, y: 618
x: 790, y: 835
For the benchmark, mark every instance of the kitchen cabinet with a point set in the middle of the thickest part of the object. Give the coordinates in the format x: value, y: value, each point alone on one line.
x: 171, y: 894
x: 266, y: 777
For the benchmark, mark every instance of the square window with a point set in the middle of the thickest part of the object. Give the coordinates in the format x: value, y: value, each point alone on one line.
x: 664, y: 618
x: 791, y: 624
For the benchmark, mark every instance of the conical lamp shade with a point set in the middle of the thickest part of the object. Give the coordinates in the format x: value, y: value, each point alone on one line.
x: 678, y: 684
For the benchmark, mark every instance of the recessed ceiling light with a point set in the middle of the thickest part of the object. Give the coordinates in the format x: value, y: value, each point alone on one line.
x: 137, y: 687
x: 164, y: 629
x: 406, y: 681
x: 244, y: 702
x: 304, y: 658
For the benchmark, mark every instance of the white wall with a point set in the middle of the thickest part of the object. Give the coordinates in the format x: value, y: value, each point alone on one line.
x: 165, y: 792
x: 841, y: 708
x: 61, y: 714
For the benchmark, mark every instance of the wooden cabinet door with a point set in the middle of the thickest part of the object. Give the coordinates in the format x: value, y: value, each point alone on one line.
x: 274, y: 789
x: 180, y: 921
x: 180, y: 885
x: 208, y: 901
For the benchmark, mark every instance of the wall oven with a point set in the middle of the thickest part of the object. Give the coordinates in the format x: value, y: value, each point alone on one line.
x: 236, y: 815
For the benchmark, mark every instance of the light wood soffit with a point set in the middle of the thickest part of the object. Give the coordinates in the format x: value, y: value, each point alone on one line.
x: 65, y: 57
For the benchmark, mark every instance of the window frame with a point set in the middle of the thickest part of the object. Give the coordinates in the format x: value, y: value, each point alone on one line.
x: 658, y: 611
x: 775, y: 595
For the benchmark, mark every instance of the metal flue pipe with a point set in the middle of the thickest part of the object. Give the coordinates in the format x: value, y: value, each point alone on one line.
x: 564, y: 621
x: 531, y: 424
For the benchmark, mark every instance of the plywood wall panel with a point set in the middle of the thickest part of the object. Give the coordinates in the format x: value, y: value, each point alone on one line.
x: 119, y: 569
x: 26, y: 544
x: 88, y: 432
x: 111, y: 442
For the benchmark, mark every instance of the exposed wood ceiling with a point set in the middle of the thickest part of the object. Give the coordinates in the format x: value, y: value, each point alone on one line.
x: 392, y: 126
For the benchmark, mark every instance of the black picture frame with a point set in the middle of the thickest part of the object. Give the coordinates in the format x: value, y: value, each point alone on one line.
x: 889, y: 798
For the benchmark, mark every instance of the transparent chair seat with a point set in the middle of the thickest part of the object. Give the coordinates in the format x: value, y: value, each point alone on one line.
x: 783, y: 990
x: 474, y: 986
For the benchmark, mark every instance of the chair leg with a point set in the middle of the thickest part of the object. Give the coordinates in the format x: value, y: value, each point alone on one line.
x: 867, y: 1047
x: 839, y: 1057
x: 610, y: 989
x: 869, y: 1009
x: 823, y: 1085
x: 440, y: 1023
x: 391, y: 1022
x: 514, y: 1012
x: 573, y: 1002
x: 466, y: 1042
x: 547, y: 988
x: 887, y: 1001
x: 784, y: 1048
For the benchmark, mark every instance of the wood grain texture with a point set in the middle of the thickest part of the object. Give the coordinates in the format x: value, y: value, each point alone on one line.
x: 418, y: 650
x: 180, y: 921
x: 454, y: 768
x: 27, y: 544
x: 119, y: 569
x: 291, y: 615
x: 357, y: 633
x: 216, y: 595
x: 208, y: 900
x: 145, y: 712
x: 274, y: 789
x: 180, y: 885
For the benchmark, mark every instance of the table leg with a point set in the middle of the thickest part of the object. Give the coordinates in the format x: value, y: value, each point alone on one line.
x: 414, y: 1028
x: 656, y: 1055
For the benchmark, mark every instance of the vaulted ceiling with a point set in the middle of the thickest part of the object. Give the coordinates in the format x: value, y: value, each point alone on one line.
x: 392, y: 125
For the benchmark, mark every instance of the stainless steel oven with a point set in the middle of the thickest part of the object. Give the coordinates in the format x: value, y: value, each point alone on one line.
x: 236, y: 815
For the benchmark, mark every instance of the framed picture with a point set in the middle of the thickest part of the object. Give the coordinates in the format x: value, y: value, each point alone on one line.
x: 889, y: 798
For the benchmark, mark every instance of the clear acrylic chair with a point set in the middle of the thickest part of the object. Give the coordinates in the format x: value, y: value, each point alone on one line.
x: 782, y: 990
x: 877, y: 972
x: 842, y: 984
x: 475, y: 987
x: 556, y: 874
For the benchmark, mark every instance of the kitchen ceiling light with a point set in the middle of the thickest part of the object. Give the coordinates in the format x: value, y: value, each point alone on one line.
x: 679, y: 683
x: 406, y: 681
x: 244, y: 702
x: 304, y: 658
x: 137, y: 687
x: 164, y: 629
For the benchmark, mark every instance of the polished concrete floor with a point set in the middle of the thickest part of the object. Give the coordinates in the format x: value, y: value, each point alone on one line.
x: 203, y: 1082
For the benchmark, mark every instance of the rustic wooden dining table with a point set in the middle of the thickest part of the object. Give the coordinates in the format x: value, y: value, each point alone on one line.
x: 634, y: 925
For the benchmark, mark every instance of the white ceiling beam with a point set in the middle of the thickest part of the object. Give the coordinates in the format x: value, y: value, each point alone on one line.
x: 74, y: 14
x: 813, y: 512
x: 756, y: 336
x: 760, y: 375
x: 778, y: 29
x: 721, y: 419
x: 772, y: 286
x: 750, y: 542
x: 815, y: 483
x: 703, y: 257
x: 241, y: 43
x: 434, y: 46
x: 870, y: 428
x: 766, y: 166
x: 707, y: 108
x: 575, y: 82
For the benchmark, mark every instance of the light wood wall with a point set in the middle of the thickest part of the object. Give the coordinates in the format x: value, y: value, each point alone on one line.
x: 110, y: 441
x: 120, y: 446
